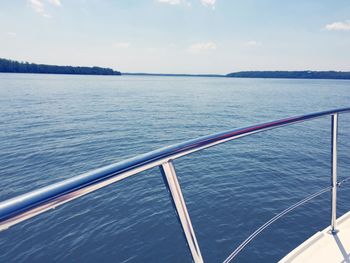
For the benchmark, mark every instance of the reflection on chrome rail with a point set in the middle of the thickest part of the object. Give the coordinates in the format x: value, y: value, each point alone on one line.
x: 18, y: 209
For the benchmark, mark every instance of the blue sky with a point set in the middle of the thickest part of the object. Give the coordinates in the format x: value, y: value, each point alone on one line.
x: 179, y: 36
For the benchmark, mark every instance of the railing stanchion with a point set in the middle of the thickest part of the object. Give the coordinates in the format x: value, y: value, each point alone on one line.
x: 172, y: 184
x: 334, y: 173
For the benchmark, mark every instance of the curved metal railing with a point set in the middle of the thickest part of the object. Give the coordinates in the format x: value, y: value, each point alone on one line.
x: 23, y: 207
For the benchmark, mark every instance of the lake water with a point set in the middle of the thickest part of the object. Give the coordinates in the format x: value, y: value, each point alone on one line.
x: 53, y: 127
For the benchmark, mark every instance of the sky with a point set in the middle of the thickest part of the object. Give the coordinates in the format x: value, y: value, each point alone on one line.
x: 179, y: 36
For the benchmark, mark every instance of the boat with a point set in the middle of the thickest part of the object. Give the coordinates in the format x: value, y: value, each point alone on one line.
x: 330, y: 245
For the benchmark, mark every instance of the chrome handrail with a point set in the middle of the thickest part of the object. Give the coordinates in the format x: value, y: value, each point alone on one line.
x: 23, y: 207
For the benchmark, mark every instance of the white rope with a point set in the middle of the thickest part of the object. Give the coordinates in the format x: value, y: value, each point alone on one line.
x: 275, y: 218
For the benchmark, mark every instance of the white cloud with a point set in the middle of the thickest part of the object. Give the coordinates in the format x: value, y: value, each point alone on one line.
x: 207, y: 3
x: 339, y: 26
x: 39, y: 6
x: 253, y: 43
x: 210, y: 3
x: 175, y: 2
x: 170, y: 2
x: 202, y: 46
x: 55, y: 2
x: 11, y: 34
x: 121, y: 45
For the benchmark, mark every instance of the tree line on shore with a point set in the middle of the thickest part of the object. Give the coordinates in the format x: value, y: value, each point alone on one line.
x: 306, y: 74
x: 11, y: 66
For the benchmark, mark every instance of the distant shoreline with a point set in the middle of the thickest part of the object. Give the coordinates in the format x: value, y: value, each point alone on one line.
x: 188, y: 75
x: 261, y: 74
x: 173, y: 75
x: 305, y: 74
x: 11, y: 66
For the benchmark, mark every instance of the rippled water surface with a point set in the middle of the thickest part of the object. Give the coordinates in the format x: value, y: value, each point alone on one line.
x: 54, y: 127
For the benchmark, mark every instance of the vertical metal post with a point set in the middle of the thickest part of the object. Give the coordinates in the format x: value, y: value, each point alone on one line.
x: 171, y: 182
x: 334, y: 173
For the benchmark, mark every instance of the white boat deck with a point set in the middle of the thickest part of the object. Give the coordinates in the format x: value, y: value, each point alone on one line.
x: 324, y: 246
